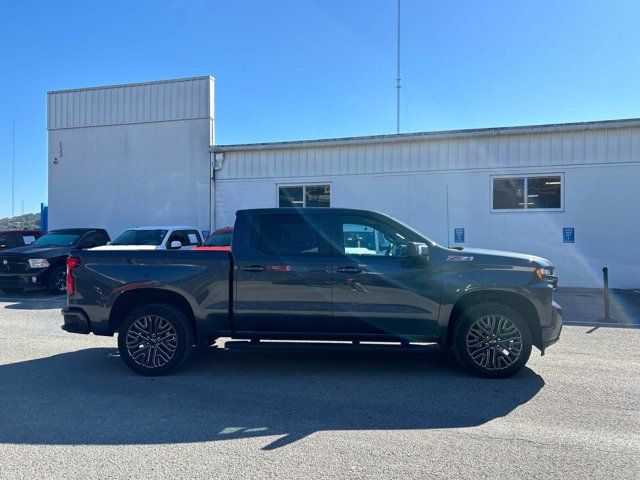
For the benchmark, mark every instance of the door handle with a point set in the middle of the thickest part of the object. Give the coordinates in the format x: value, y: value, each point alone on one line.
x: 349, y: 270
x: 253, y: 268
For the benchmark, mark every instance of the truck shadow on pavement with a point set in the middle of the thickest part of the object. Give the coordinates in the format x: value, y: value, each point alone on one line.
x: 89, y: 397
x: 32, y: 301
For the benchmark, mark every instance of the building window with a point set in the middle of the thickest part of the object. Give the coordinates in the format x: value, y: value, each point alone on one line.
x: 508, y: 193
x: 531, y: 192
x: 304, y: 196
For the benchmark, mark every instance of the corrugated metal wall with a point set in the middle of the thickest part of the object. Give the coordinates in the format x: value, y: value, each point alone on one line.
x: 182, y: 99
x: 438, y: 184
x: 145, y: 160
x: 592, y: 146
x: 600, y: 201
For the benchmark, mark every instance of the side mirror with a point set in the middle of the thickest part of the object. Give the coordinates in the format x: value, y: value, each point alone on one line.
x: 417, y: 249
x: 175, y: 245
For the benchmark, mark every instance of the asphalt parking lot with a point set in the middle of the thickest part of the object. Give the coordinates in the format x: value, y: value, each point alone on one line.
x: 69, y: 408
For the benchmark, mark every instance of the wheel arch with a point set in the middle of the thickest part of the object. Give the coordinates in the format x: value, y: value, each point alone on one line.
x: 518, y: 302
x: 132, y: 299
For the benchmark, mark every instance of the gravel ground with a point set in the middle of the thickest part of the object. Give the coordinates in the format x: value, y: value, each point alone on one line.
x: 70, y: 409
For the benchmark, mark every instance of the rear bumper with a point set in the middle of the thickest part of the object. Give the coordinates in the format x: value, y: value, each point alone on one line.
x: 75, y: 321
x: 551, y: 333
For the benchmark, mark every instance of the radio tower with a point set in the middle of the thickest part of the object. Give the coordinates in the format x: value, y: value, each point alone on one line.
x: 398, y: 86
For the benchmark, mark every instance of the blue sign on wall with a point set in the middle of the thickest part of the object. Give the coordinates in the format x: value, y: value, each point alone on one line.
x: 44, y: 217
x: 568, y: 235
x: 458, y: 235
x: 205, y: 234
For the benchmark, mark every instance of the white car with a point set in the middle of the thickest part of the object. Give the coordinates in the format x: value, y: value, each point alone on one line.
x: 155, y: 238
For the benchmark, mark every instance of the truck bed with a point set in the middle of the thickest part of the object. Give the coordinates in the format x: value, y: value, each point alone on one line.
x: 105, y: 280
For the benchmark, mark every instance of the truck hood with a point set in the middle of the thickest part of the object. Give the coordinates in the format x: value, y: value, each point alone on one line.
x: 36, y: 251
x: 483, y: 254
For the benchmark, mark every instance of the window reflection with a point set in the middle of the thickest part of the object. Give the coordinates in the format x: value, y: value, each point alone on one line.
x: 543, y: 192
x: 508, y: 193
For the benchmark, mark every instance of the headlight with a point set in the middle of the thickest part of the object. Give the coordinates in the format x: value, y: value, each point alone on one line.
x: 547, y: 275
x: 543, y: 272
x: 38, y: 263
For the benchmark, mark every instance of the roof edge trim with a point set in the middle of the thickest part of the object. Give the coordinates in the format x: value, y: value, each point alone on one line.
x: 433, y: 135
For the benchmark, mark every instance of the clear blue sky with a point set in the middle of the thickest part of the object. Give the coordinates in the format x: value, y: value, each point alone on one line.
x: 321, y: 68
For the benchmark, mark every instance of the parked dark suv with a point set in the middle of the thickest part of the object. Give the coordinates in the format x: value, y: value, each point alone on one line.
x: 43, y: 262
x: 18, y: 238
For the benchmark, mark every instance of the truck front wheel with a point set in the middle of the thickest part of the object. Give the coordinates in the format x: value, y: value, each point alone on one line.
x: 492, y: 340
x: 155, y: 339
x: 58, y: 281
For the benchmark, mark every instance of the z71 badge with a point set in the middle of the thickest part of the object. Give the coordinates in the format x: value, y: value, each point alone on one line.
x: 459, y: 258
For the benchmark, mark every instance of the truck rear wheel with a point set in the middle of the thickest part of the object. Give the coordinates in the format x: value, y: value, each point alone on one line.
x: 492, y: 340
x: 155, y: 339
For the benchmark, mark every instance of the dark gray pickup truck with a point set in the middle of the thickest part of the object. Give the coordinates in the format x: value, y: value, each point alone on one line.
x: 317, y: 274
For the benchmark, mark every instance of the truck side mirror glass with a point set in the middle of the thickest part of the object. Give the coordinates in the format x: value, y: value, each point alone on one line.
x: 417, y: 249
x: 175, y: 244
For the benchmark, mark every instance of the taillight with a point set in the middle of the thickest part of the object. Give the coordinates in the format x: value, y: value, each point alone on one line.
x: 72, y: 262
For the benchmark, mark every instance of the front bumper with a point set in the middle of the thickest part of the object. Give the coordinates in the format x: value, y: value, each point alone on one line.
x: 36, y: 279
x: 75, y: 321
x: 551, y: 333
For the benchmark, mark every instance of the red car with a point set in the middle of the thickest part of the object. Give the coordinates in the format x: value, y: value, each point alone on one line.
x: 220, y: 240
x: 18, y: 238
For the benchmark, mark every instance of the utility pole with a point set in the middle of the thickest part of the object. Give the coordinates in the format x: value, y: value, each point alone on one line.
x: 398, y: 86
x: 13, y: 169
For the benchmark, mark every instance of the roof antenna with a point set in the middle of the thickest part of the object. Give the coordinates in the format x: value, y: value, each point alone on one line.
x: 398, y: 86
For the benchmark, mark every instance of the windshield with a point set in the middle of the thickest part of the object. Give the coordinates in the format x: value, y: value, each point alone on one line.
x: 412, y: 229
x: 221, y: 239
x: 140, y: 237
x: 58, y: 239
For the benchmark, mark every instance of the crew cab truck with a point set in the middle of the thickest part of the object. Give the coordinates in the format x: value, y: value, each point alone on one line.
x: 317, y: 274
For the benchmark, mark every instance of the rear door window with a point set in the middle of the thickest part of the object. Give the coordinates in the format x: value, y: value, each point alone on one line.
x: 184, y: 237
x: 194, y: 237
x: 92, y: 239
x: 28, y: 239
x: 177, y: 236
x: 103, y: 238
x: 291, y: 234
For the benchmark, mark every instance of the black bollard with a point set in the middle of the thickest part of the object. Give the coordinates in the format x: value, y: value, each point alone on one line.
x: 605, y: 273
x: 607, y: 317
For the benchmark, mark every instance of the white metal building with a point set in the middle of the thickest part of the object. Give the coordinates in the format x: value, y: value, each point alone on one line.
x: 143, y: 154
x: 131, y: 155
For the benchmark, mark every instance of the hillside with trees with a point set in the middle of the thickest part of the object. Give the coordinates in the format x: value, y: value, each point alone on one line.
x: 28, y: 221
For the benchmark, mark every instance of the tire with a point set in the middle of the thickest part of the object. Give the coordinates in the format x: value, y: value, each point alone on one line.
x: 58, y: 281
x: 493, y: 341
x: 12, y: 291
x: 161, y: 354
